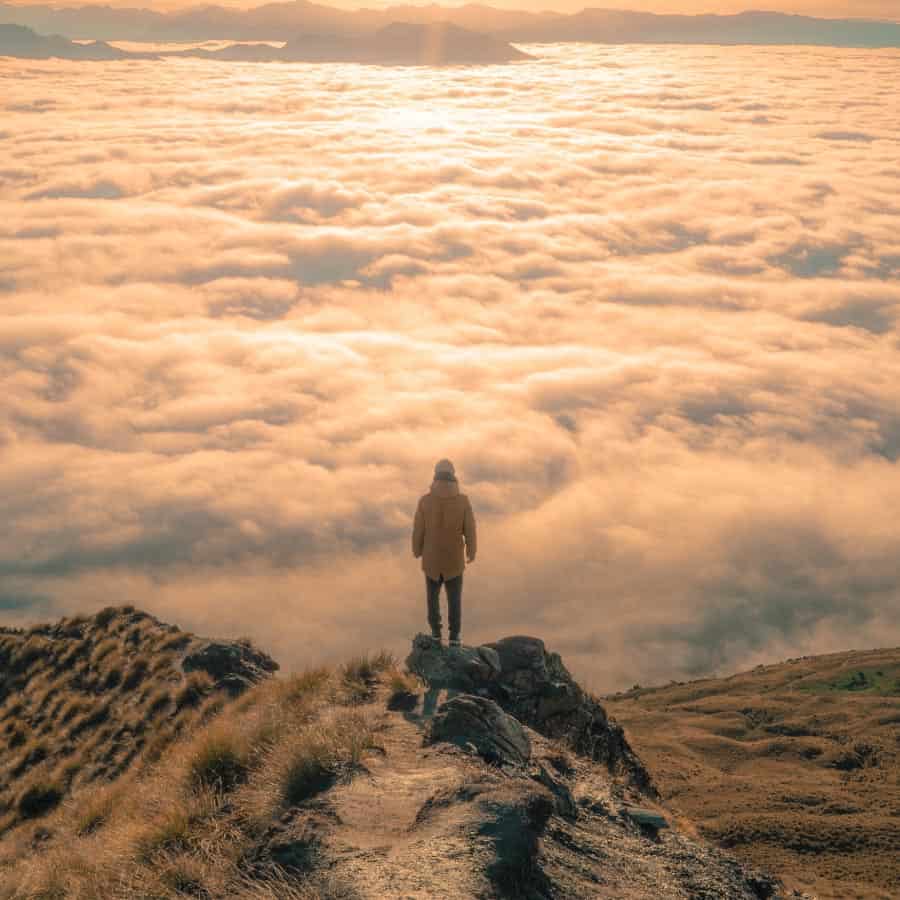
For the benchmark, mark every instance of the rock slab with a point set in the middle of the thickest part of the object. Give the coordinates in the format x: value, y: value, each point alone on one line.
x: 477, y: 721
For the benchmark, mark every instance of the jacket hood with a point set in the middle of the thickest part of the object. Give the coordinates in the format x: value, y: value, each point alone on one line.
x: 445, y: 488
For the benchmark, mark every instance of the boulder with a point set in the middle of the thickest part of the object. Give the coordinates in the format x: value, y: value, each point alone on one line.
x: 464, y: 668
x: 232, y: 666
x: 477, y: 721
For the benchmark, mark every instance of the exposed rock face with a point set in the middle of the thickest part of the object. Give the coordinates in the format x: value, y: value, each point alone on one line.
x: 233, y: 667
x: 470, y: 669
x: 536, y: 688
x: 497, y: 737
x: 539, y: 691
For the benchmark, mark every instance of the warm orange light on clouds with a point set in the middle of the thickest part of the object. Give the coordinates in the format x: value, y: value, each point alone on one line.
x: 645, y: 298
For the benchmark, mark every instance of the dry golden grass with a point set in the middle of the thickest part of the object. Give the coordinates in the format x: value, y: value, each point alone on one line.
x: 795, y: 767
x: 182, y: 826
x: 360, y: 673
x: 77, y: 700
x: 401, y: 682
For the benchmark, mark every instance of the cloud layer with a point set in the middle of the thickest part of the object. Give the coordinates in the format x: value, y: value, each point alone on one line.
x: 647, y: 299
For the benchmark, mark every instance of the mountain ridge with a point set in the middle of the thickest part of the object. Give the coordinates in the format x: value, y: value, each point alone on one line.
x: 399, y: 43
x: 271, y: 22
x: 359, y: 781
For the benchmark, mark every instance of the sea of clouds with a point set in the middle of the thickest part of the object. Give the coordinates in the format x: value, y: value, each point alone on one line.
x: 647, y: 299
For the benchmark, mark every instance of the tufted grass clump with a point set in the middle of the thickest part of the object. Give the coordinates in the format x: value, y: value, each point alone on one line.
x: 93, y: 809
x: 317, y: 757
x: 359, y: 675
x: 220, y: 760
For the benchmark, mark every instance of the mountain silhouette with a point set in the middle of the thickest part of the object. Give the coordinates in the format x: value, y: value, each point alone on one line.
x: 17, y: 40
x: 272, y: 21
x: 399, y: 43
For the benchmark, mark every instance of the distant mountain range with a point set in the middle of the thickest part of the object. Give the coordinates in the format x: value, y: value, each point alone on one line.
x: 273, y: 21
x: 17, y: 40
x: 399, y: 43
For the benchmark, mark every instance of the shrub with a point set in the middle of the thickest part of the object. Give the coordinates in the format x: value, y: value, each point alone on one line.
x: 89, y: 720
x: 186, y: 876
x: 319, y: 754
x: 162, y: 662
x: 404, y: 688
x: 309, y: 773
x: 401, y: 682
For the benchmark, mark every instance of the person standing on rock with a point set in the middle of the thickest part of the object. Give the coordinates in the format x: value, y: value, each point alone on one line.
x: 443, y: 528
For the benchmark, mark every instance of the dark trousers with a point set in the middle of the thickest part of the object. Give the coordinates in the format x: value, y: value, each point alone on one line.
x: 453, y: 586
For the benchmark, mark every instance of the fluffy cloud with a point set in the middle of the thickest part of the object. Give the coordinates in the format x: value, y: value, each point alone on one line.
x: 646, y: 299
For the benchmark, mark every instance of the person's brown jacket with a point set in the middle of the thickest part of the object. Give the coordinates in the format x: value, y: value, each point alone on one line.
x: 443, y: 518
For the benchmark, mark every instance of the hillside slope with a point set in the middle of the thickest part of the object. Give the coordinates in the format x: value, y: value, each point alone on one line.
x: 84, y: 699
x: 795, y: 767
x: 362, y: 782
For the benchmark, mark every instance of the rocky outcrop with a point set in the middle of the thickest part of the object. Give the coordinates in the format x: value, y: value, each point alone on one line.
x: 479, y: 723
x: 232, y: 666
x: 532, y: 685
x: 539, y: 691
x: 469, y: 669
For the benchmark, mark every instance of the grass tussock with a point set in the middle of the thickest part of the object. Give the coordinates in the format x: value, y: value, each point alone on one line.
x: 94, y: 807
x: 322, y: 753
x: 401, y: 682
x: 359, y: 675
x: 219, y: 760
x: 196, y: 686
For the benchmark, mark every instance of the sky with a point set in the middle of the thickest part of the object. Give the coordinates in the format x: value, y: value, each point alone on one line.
x: 646, y: 299
x: 878, y: 9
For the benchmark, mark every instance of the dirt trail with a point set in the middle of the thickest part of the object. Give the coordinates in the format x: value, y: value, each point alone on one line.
x: 382, y: 846
x: 436, y: 822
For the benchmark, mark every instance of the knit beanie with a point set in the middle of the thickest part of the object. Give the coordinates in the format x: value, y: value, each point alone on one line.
x: 444, y: 471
